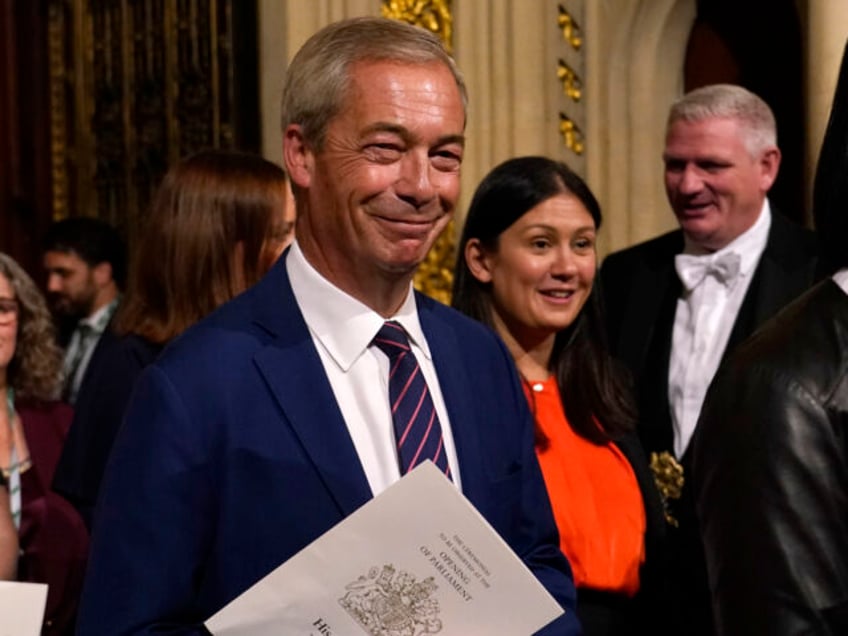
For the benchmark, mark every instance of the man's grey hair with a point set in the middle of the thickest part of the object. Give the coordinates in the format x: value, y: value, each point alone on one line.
x: 729, y: 101
x: 317, y: 79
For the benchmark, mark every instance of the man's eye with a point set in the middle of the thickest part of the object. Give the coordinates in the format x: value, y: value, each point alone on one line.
x: 446, y: 161
x: 383, y: 152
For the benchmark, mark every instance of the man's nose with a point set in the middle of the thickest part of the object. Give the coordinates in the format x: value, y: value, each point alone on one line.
x: 564, y: 264
x: 690, y: 180
x: 416, y: 184
x: 54, y: 283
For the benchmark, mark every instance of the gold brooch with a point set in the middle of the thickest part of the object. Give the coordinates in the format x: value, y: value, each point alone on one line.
x: 668, y: 477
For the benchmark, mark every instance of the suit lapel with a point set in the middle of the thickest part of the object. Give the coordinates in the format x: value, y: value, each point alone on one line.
x: 649, y: 315
x: 296, y: 378
x: 451, y: 369
x: 760, y: 301
x: 654, y: 304
x: 781, y: 275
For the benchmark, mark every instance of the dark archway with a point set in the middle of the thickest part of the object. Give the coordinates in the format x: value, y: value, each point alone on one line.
x: 732, y: 42
x: 25, y: 181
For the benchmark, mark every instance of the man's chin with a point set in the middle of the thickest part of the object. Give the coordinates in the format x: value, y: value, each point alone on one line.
x: 408, y: 260
x: 706, y: 238
x: 65, y: 311
x: 402, y: 268
x: 696, y: 226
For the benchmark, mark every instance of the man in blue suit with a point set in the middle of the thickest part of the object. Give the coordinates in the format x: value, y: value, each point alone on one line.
x: 269, y: 422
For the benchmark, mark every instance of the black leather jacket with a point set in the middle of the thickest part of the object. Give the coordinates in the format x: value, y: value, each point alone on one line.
x: 770, y: 474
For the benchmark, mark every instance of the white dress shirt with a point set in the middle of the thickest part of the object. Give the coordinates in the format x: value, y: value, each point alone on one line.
x: 342, y: 329
x: 702, y: 325
x: 841, y: 279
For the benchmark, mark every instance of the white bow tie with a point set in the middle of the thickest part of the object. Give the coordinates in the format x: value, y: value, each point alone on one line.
x: 693, y: 269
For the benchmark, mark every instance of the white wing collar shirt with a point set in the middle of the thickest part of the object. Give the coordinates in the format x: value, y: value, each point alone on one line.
x: 342, y: 329
x: 714, y: 286
x: 841, y: 279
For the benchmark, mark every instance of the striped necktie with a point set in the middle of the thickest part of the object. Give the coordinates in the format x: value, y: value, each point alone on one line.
x: 85, y: 333
x: 418, y: 433
x: 14, y: 474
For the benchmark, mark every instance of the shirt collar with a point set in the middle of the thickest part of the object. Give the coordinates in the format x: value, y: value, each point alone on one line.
x: 343, y: 325
x: 749, y: 245
x: 841, y: 279
x: 100, y: 318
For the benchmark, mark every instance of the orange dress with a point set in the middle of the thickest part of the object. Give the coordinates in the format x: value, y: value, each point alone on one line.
x: 595, y: 498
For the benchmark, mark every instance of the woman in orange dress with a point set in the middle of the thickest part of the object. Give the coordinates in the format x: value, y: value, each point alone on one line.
x: 529, y: 273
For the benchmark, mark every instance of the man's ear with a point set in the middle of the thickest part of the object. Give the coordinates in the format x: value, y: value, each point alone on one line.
x: 769, y: 165
x: 102, y: 273
x: 478, y: 260
x: 298, y: 156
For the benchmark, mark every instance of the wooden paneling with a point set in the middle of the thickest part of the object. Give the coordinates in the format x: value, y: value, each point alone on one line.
x: 99, y: 97
x: 24, y: 131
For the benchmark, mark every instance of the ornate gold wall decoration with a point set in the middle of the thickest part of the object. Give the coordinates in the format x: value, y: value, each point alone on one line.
x: 569, y: 70
x: 56, y: 25
x: 138, y: 84
x: 570, y: 28
x: 572, y: 86
x: 435, y: 275
x: 669, y: 479
x: 433, y: 15
x: 571, y: 134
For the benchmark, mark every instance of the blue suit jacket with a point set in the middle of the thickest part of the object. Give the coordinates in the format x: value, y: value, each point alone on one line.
x: 234, y: 455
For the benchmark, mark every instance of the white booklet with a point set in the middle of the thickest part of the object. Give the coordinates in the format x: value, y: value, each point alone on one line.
x: 21, y: 608
x: 418, y: 559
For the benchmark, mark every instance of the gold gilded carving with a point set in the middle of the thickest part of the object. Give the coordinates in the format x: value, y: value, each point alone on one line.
x: 435, y: 275
x: 572, y: 86
x: 571, y: 134
x: 570, y: 29
x: 668, y: 476
x: 134, y: 86
x: 433, y: 15
x: 104, y: 112
x: 58, y: 119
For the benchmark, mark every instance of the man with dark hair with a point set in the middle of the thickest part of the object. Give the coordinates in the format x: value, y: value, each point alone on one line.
x: 85, y: 261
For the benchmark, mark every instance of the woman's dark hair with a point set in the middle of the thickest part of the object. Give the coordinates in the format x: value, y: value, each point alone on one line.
x: 186, y: 262
x: 595, y: 389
